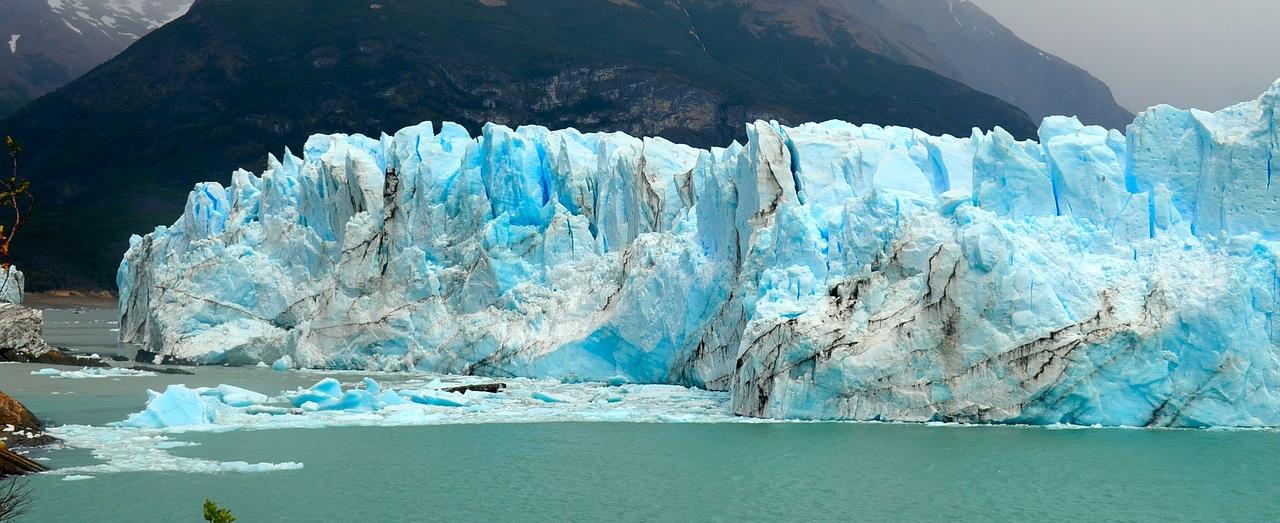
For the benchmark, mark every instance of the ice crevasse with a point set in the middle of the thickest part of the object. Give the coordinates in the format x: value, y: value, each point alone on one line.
x: 822, y: 271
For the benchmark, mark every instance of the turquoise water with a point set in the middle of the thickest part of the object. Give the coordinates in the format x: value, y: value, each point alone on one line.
x: 646, y: 471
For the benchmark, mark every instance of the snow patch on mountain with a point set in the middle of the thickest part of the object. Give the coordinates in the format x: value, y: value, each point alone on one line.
x: 129, y: 18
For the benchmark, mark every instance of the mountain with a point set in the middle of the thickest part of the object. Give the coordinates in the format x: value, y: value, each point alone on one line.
x: 953, y: 38
x: 114, y: 151
x: 52, y: 42
x: 956, y: 39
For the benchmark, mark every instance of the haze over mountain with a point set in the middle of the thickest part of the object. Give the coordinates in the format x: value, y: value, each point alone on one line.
x: 1185, y: 53
x: 215, y: 90
x: 49, y: 43
x: 956, y: 39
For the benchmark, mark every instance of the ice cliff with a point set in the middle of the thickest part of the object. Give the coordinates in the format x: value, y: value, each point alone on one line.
x: 823, y: 271
x: 12, y: 284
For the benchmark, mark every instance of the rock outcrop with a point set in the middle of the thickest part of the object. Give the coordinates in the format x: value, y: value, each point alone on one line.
x: 21, y: 329
x: 18, y: 428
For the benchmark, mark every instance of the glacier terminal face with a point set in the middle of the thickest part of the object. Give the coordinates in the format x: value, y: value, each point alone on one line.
x: 823, y: 271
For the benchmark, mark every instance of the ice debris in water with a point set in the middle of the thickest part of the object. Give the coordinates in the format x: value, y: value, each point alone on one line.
x: 328, y: 395
x: 179, y: 406
x: 233, y: 396
x: 91, y: 372
x: 821, y: 271
x: 416, y: 401
x: 139, y: 443
x: 126, y: 449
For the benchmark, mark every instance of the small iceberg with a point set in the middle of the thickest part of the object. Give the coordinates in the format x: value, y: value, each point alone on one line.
x: 439, y: 400
x: 177, y: 406
x: 542, y: 396
x: 92, y: 372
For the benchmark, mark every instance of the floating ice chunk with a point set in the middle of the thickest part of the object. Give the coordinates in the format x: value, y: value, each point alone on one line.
x: 233, y: 396
x: 325, y: 390
x: 441, y: 399
x: 329, y: 387
x: 284, y: 363
x: 175, y: 444
x: 76, y: 477
x: 327, y: 394
x: 91, y: 372
x: 390, y: 397
x: 607, y: 397
x: 178, y: 406
x: 267, y: 409
x: 354, y: 400
x: 539, y: 395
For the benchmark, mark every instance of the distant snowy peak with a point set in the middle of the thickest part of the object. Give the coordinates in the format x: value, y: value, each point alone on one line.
x: 63, y: 39
x: 118, y: 18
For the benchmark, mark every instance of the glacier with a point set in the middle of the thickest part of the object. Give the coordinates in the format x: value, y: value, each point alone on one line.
x: 820, y: 271
x: 12, y: 284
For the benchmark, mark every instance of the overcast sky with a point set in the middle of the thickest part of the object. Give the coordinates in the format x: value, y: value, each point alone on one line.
x: 1206, y: 54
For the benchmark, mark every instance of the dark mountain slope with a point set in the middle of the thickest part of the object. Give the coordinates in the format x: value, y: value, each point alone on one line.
x: 115, y: 152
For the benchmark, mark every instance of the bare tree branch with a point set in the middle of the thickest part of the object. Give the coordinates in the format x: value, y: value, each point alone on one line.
x: 15, y: 500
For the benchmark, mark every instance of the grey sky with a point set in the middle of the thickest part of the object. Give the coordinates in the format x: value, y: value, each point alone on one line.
x: 1206, y: 54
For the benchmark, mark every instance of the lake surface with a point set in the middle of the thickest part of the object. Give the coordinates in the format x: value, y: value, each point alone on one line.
x: 574, y: 471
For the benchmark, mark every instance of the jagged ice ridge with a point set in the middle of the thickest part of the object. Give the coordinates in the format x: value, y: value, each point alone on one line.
x: 823, y: 271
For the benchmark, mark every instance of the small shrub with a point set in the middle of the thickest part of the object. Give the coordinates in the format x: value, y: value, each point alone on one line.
x: 215, y: 514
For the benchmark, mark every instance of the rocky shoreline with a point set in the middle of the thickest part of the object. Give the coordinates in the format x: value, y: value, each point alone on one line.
x: 21, y: 339
x: 19, y: 428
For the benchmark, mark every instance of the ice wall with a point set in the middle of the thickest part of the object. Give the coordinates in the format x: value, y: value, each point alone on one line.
x: 12, y: 285
x: 824, y: 271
